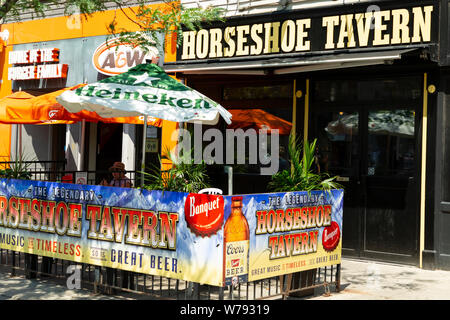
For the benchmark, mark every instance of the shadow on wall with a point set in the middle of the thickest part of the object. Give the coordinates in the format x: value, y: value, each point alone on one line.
x: 35, y: 142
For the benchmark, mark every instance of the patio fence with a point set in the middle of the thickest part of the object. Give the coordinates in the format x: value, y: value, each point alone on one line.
x: 111, y: 281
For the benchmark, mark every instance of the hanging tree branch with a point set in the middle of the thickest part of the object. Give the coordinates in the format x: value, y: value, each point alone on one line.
x: 151, y: 21
x: 171, y: 17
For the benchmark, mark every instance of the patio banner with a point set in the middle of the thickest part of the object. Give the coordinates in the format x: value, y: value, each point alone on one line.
x: 209, y: 239
x: 130, y: 229
x: 273, y: 234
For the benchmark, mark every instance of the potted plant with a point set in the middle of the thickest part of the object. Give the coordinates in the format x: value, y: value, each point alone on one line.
x: 302, y: 176
x: 183, y: 176
x: 18, y: 169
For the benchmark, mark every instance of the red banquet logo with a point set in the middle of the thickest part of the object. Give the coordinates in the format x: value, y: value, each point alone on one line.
x: 331, y: 236
x: 204, y: 213
x: 112, y: 58
x: 235, y: 263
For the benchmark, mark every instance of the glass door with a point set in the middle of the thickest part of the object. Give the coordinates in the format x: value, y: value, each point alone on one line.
x: 389, y: 183
x: 376, y: 167
x: 366, y: 132
x: 338, y: 153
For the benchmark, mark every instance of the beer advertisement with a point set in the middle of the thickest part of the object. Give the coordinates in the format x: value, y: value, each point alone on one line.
x: 273, y: 234
x: 210, y: 239
x: 123, y: 228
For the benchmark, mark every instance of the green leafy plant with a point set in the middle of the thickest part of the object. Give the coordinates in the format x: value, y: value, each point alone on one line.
x: 18, y: 169
x: 170, y: 18
x: 183, y: 176
x: 302, y: 177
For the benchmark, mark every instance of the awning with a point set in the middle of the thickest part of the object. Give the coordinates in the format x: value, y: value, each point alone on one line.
x: 291, y: 65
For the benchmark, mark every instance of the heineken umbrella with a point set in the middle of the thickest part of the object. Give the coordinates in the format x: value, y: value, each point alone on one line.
x: 144, y: 90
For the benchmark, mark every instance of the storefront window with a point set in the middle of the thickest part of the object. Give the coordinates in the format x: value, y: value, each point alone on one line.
x: 337, y: 142
x: 391, y: 142
x: 367, y: 91
x: 259, y: 126
x: 258, y: 92
x: 257, y: 107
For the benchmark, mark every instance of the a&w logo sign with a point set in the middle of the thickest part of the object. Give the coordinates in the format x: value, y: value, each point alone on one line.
x: 112, y: 58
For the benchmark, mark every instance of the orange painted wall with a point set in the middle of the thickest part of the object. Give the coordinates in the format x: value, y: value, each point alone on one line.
x: 5, y: 89
x: 59, y: 28
x: 169, y: 128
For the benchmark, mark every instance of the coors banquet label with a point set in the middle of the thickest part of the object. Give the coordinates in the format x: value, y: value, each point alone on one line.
x: 289, y: 232
x: 236, y: 247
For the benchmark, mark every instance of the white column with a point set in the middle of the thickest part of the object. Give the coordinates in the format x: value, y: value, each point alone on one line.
x: 129, y: 146
x: 73, y: 146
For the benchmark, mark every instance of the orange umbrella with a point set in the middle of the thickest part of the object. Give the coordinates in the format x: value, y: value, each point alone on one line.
x: 45, y: 109
x: 16, y: 99
x: 40, y: 110
x: 258, y: 119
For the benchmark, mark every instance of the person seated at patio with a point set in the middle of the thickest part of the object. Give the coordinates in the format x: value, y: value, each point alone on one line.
x: 119, y: 178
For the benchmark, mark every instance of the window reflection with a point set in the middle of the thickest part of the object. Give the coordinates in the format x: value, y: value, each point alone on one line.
x: 391, y: 142
x: 337, y: 142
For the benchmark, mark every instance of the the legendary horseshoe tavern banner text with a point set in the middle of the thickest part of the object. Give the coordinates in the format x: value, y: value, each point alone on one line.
x: 209, y: 239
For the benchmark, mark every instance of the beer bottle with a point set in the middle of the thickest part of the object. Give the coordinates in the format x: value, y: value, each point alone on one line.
x: 236, y: 245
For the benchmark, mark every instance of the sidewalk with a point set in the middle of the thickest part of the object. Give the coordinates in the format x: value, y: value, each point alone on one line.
x: 20, y: 288
x: 368, y: 280
x: 360, y: 280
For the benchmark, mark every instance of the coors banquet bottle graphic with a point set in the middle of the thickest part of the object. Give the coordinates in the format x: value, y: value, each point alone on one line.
x: 236, y: 245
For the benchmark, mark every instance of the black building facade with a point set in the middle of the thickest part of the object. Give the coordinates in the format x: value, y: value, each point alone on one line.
x: 438, y: 239
x: 371, y: 83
